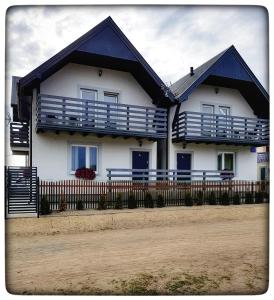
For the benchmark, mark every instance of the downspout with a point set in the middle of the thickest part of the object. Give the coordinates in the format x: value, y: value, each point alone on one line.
x: 30, y: 134
x: 34, y: 97
x: 167, y: 140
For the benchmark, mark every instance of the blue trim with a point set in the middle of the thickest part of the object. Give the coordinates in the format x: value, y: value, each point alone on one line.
x: 222, y: 68
x: 107, y: 41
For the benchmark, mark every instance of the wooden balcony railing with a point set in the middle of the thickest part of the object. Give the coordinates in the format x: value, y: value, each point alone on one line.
x: 171, y: 174
x: 19, y: 134
x: 214, y: 128
x: 88, y: 116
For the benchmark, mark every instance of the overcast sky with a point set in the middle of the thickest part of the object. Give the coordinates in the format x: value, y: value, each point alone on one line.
x: 171, y: 38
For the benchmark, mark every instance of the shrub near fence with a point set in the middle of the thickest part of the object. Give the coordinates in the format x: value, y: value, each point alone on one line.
x: 132, y: 194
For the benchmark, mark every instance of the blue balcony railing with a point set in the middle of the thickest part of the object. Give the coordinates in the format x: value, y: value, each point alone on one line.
x: 215, y: 128
x: 19, y: 135
x: 88, y: 116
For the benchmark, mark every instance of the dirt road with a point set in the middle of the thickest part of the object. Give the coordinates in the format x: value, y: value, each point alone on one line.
x: 182, y: 250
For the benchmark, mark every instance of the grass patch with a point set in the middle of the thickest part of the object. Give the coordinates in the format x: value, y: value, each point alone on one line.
x: 163, y: 284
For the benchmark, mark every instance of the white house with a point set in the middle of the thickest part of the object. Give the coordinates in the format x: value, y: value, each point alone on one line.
x: 98, y: 104
x: 221, y: 116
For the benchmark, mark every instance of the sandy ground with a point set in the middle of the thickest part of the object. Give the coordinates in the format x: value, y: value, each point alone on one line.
x: 208, y: 249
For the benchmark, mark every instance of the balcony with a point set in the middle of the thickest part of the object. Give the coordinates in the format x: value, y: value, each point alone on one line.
x: 219, y: 129
x: 58, y: 113
x: 19, y: 136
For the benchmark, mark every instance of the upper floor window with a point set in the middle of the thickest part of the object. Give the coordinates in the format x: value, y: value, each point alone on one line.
x: 110, y: 97
x: 84, y: 157
x: 224, y: 110
x: 89, y: 94
x: 207, y: 108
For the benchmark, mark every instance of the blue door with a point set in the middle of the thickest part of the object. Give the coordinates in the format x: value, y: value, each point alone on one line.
x: 184, y: 163
x: 140, y: 160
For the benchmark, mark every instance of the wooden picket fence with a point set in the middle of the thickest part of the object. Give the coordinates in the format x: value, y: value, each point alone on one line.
x: 173, y: 192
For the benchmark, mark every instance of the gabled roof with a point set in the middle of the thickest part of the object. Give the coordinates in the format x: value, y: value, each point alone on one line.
x: 105, y: 45
x: 225, y: 69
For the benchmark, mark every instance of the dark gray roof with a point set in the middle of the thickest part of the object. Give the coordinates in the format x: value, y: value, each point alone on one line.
x: 14, y: 96
x: 181, y: 86
x: 263, y: 157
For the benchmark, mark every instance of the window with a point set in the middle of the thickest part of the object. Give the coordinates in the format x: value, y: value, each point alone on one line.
x: 224, y: 110
x: 226, y: 161
x: 84, y: 157
x: 110, y: 97
x: 89, y: 94
x: 207, y: 108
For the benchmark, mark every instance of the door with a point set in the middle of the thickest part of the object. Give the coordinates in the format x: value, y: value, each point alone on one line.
x: 88, y: 105
x: 140, y: 160
x: 224, y: 121
x: 184, y: 163
x: 207, y: 120
x: 112, y: 109
x: 262, y: 173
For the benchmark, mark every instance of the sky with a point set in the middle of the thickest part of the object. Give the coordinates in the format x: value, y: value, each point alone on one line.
x: 170, y: 38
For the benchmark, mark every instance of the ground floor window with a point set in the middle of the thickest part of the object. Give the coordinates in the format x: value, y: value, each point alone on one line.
x: 226, y: 161
x: 264, y: 173
x: 84, y: 157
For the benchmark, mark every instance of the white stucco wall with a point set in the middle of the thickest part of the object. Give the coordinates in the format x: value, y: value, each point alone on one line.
x: 51, y: 152
x: 205, y: 94
x: 204, y: 156
x: 68, y: 81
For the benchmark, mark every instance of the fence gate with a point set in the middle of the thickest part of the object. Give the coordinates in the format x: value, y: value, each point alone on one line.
x: 21, y: 190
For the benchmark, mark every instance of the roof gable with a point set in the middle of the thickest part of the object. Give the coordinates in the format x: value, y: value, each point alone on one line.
x: 229, y: 66
x: 230, y: 70
x: 108, y: 43
x: 105, y: 45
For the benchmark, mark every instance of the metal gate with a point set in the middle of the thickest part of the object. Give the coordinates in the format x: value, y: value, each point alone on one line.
x: 22, y: 190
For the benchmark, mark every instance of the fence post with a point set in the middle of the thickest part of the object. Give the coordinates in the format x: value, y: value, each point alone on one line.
x: 252, y: 190
x: 37, y: 197
x: 204, y: 179
x: 220, y: 188
x: 109, y: 191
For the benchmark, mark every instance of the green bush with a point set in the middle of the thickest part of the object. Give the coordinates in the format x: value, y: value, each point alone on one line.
x: 160, y: 202
x: 45, y: 206
x: 211, y: 198
x: 224, y: 199
x: 132, y: 203
x: 249, y: 198
x: 79, y: 205
x: 259, y: 197
x: 200, y: 198
x: 266, y: 196
x: 118, y: 202
x: 236, y: 199
x: 102, y: 204
x: 188, y: 199
x: 62, y: 203
x: 148, y: 201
